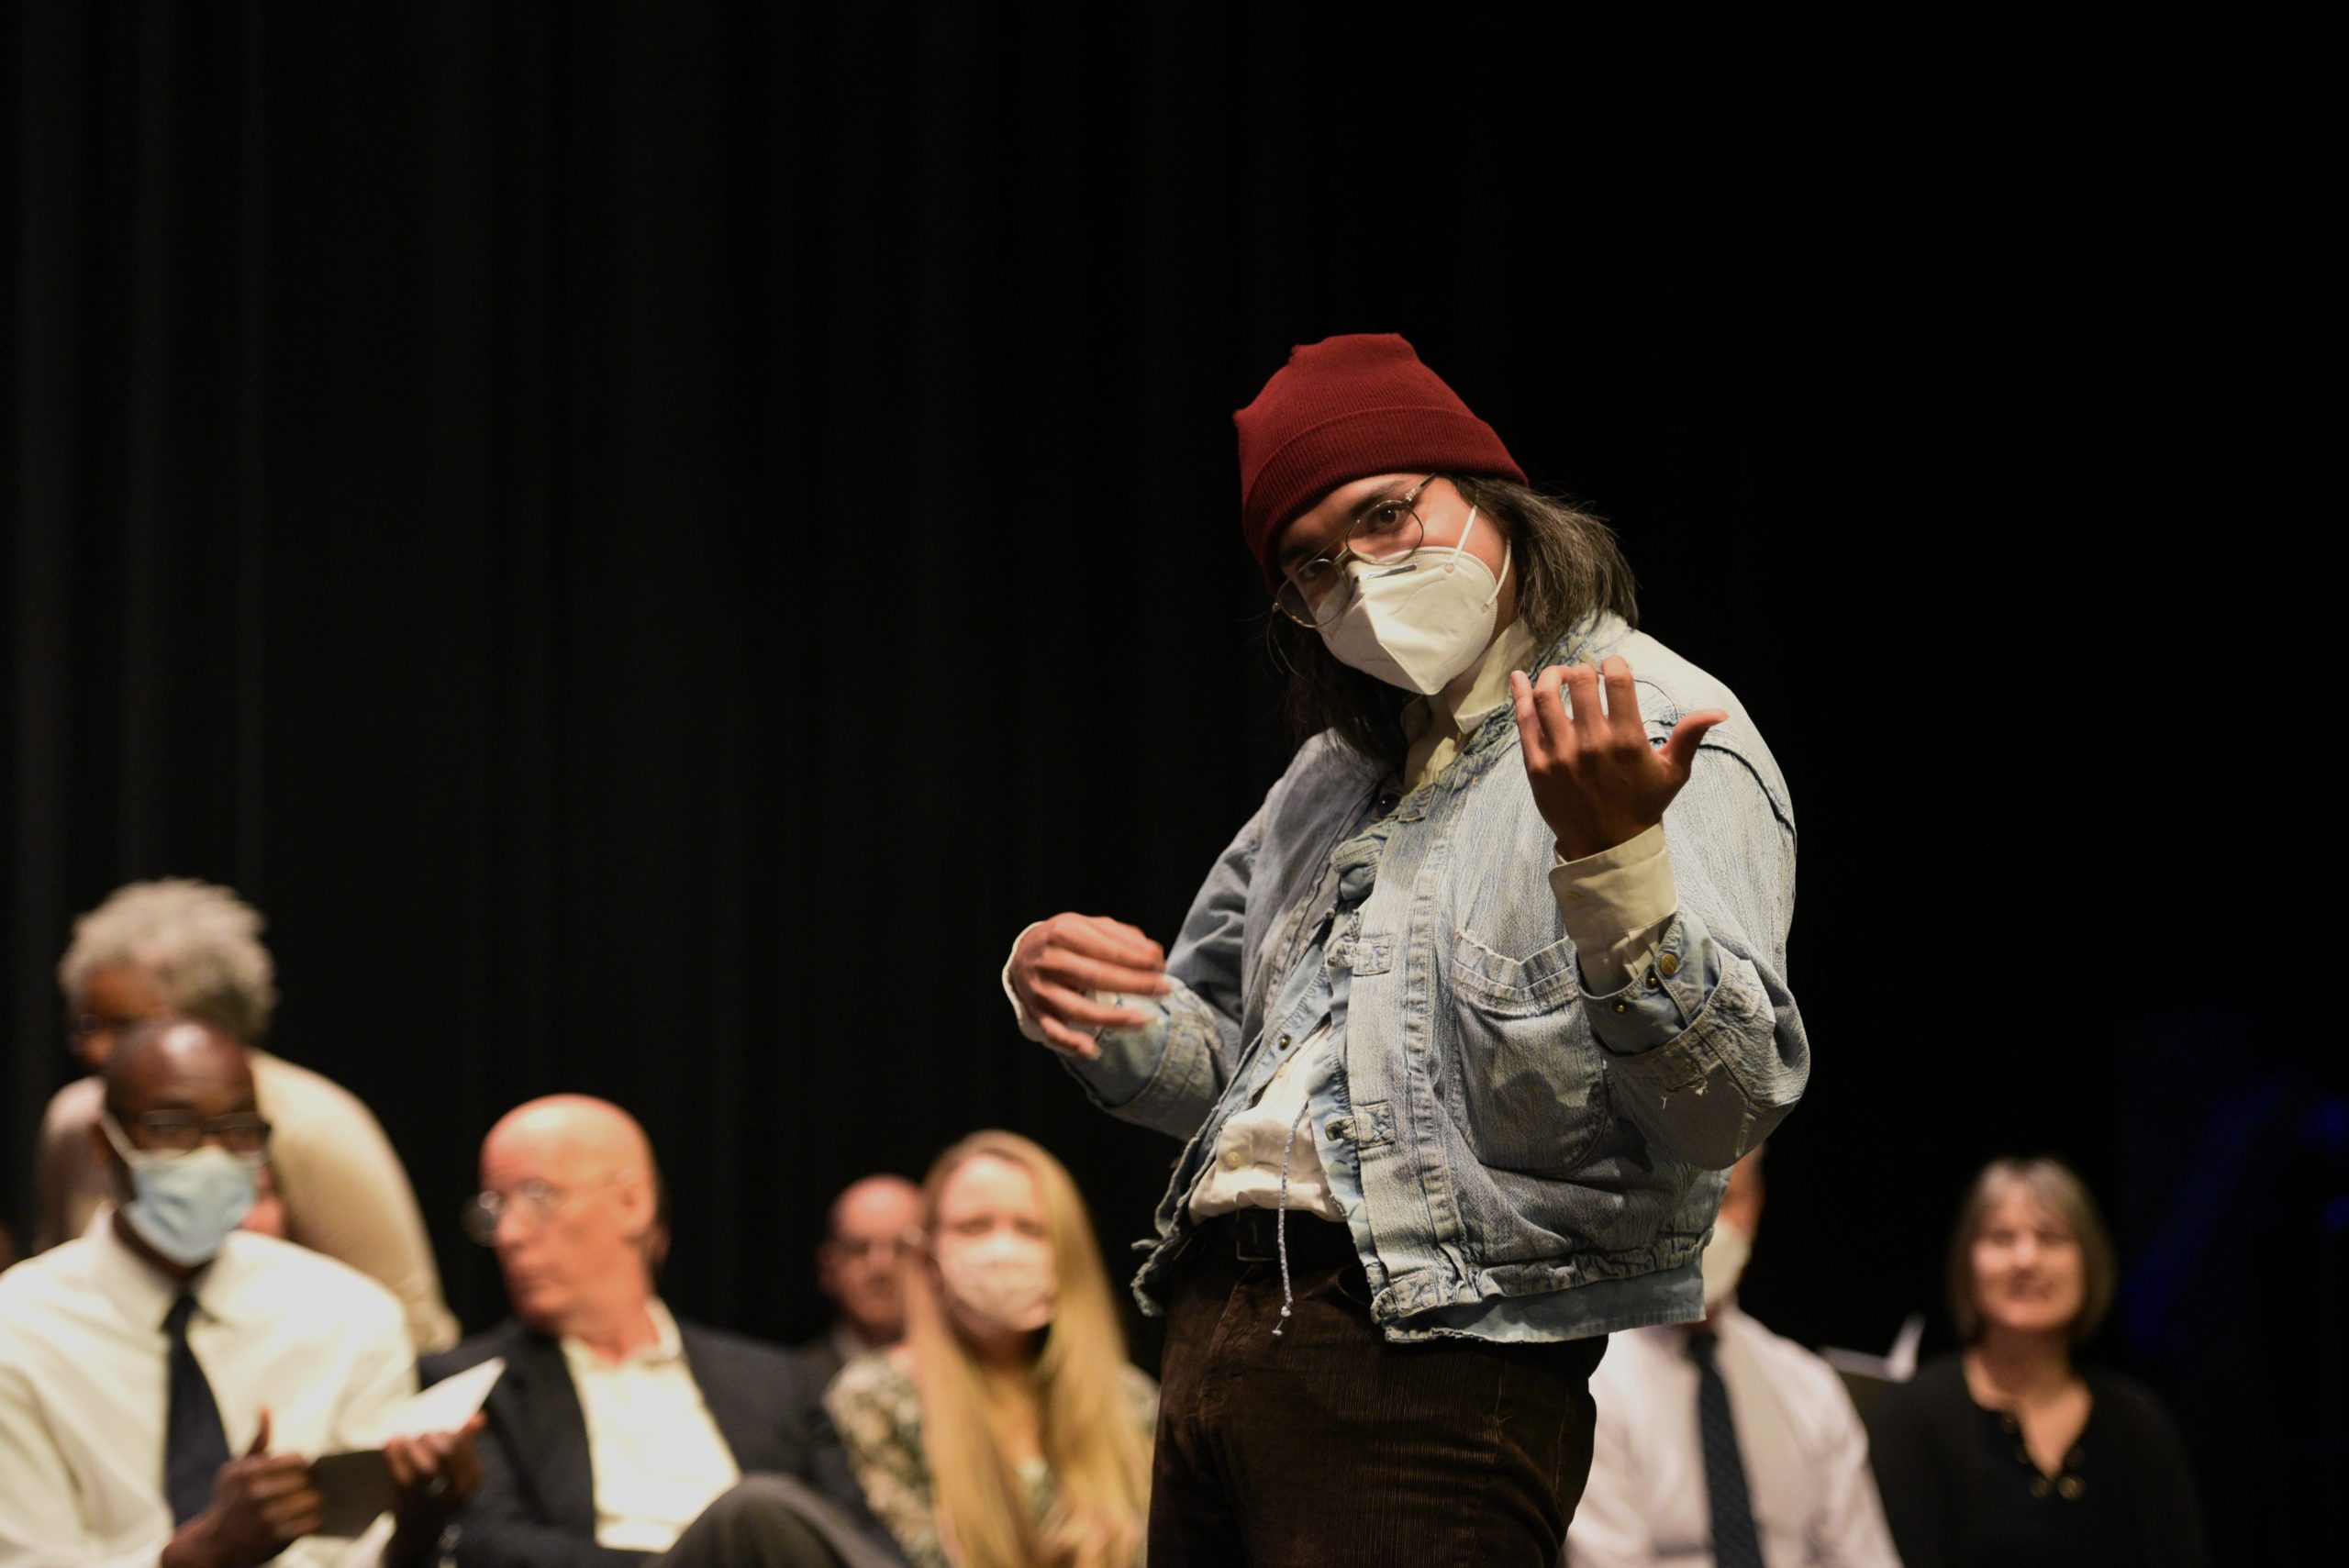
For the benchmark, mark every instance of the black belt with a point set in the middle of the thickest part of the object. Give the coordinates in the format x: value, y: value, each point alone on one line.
x: 1251, y: 1236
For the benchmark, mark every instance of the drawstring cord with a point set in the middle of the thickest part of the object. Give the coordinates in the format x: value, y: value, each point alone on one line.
x: 1280, y: 1217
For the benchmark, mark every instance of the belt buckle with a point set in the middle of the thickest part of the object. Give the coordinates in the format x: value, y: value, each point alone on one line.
x: 1254, y: 1239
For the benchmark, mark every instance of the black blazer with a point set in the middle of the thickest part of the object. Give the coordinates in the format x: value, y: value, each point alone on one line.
x: 536, y: 1503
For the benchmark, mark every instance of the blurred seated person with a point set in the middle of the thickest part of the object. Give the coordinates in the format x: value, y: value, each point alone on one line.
x: 166, y: 1378
x: 333, y: 1183
x: 616, y: 1433
x: 861, y: 1269
x: 1721, y: 1442
x: 1009, y: 1429
x: 2011, y: 1451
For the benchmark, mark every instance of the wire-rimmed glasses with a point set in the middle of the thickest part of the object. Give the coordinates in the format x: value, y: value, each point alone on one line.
x: 1383, y: 530
x: 534, y: 1200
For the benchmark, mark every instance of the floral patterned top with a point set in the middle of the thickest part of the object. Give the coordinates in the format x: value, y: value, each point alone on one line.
x: 878, y: 1412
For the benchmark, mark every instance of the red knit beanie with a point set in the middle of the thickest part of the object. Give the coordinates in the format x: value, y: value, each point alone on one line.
x: 1343, y: 408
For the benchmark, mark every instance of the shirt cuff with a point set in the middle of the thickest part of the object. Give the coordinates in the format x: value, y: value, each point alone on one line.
x: 1028, y: 1026
x: 1616, y: 904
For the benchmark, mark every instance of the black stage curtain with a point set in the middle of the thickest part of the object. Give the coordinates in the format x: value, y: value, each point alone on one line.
x: 651, y: 541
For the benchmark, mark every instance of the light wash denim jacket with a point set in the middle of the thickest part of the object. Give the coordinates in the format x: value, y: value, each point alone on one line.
x: 1517, y: 1158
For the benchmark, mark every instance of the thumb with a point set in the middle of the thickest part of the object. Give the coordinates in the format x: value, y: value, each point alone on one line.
x: 1680, y: 751
x: 260, y: 1437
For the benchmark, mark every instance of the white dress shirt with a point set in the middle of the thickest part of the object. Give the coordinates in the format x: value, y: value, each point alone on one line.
x: 83, y: 1387
x: 1805, y: 1453
x: 652, y: 1445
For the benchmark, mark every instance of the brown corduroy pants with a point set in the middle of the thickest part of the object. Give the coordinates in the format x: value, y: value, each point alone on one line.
x: 1330, y: 1445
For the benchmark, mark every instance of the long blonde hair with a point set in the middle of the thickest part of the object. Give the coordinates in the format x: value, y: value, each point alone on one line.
x: 1100, y: 1463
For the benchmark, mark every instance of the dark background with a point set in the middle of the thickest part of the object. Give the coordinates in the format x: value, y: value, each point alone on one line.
x: 652, y: 541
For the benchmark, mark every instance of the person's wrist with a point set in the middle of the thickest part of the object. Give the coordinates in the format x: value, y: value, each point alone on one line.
x: 197, y: 1544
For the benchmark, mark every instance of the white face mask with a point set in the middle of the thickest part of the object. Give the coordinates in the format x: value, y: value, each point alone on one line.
x: 1419, y: 622
x: 183, y: 1206
x: 1725, y: 1257
x: 1003, y: 1284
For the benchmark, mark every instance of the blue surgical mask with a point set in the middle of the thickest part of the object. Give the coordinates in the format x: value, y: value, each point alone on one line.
x: 183, y: 1206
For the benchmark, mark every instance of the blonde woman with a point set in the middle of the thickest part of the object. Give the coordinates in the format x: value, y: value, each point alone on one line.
x: 1009, y: 1430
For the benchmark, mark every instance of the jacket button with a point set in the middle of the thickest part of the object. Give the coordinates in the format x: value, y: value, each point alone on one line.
x: 1283, y: 1044
x: 1653, y: 984
x: 1670, y: 963
x: 1336, y: 1130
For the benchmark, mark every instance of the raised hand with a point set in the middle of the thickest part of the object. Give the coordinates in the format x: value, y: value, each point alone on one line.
x: 1060, y: 963
x: 261, y: 1503
x: 1596, y: 780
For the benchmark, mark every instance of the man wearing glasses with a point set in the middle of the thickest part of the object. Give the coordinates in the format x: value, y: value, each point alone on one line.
x: 166, y: 1379
x: 1465, y: 1026
x: 861, y: 1270
x: 616, y: 1433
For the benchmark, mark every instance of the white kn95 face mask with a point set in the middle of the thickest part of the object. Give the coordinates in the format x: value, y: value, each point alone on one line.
x: 1419, y: 622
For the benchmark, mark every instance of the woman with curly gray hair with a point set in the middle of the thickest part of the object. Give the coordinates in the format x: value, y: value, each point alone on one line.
x: 178, y: 946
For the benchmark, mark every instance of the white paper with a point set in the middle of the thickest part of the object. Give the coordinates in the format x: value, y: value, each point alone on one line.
x: 447, y: 1404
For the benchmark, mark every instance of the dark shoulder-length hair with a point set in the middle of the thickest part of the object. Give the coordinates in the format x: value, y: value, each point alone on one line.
x: 1567, y: 565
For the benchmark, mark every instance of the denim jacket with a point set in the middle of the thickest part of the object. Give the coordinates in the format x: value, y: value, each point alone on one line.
x: 1517, y: 1158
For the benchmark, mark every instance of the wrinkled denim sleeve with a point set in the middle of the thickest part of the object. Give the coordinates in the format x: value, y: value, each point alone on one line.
x: 1705, y: 1034
x: 1168, y: 1075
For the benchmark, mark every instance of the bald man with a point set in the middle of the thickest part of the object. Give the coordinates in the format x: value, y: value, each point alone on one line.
x: 167, y: 1378
x: 619, y: 1435
x: 861, y: 1269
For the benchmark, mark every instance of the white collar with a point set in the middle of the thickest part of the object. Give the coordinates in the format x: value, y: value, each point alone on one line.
x: 667, y: 1344
x: 143, y: 1293
x: 1475, y: 691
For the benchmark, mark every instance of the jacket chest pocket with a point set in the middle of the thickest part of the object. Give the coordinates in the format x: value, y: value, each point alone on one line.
x: 1527, y: 1079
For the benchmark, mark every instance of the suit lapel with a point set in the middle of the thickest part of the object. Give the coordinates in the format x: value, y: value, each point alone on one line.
x: 735, y: 1403
x: 537, y: 1402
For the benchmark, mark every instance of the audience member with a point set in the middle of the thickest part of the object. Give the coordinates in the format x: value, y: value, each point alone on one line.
x: 2011, y: 1452
x: 333, y: 1183
x: 618, y: 1432
x: 165, y: 1379
x: 861, y: 1269
x: 1721, y: 1442
x: 1009, y: 1429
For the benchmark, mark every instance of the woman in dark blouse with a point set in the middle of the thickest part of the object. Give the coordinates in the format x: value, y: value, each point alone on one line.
x: 2008, y: 1454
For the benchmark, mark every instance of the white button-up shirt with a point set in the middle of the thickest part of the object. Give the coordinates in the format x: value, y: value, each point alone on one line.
x: 652, y: 1445
x: 83, y: 1386
x: 1806, y: 1456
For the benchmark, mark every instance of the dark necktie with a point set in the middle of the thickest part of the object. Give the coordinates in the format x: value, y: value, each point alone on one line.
x: 1735, y: 1544
x: 194, y: 1445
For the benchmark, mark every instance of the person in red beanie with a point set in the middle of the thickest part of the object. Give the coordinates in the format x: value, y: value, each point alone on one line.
x: 1466, y: 1026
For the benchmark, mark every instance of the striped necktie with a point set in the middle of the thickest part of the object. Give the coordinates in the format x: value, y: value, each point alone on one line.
x: 1735, y: 1543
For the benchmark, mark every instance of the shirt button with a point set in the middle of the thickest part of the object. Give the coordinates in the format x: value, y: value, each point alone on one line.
x: 1233, y: 1158
x: 1653, y: 984
x: 1670, y: 963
